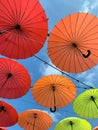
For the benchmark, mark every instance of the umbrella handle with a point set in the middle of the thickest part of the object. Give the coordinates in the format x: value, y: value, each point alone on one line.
x: 53, y: 109
x: 87, y: 55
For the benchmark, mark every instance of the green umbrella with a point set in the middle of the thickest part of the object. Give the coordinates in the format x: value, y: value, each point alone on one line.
x: 86, y: 104
x: 73, y: 123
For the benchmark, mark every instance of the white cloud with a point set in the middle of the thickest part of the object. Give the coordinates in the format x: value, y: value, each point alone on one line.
x: 55, y: 116
x: 89, y: 77
x: 85, y: 7
x: 89, y: 6
x: 95, y: 4
x: 46, y: 69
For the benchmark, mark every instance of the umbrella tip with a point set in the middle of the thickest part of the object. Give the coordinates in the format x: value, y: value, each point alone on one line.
x: 9, y: 75
x: 2, y: 108
x: 35, y: 115
x: 71, y: 123
x: 17, y: 27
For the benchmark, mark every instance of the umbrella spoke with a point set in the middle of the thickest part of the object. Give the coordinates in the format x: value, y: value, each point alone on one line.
x: 71, y: 123
x: 8, y: 77
x: 93, y: 99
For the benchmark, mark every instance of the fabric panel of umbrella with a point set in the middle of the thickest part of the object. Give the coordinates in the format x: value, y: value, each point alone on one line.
x: 54, y: 91
x: 73, y: 123
x: 8, y: 114
x: 15, y: 80
x: 72, y: 44
x: 34, y: 120
x: 23, y: 28
x: 3, y: 128
x: 95, y: 128
x: 86, y: 104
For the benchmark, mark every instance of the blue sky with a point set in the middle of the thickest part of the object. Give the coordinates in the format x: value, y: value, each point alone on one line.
x: 55, y: 10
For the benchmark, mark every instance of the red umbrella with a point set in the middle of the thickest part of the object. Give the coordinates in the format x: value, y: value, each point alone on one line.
x: 23, y: 26
x: 3, y: 128
x: 14, y: 79
x: 8, y: 114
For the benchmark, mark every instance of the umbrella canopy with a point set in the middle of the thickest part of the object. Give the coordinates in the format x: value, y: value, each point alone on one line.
x: 23, y: 28
x: 95, y: 128
x: 73, y: 123
x: 8, y: 114
x: 34, y: 120
x: 14, y: 79
x: 86, y: 104
x: 72, y: 44
x: 54, y: 91
x: 3, y: 128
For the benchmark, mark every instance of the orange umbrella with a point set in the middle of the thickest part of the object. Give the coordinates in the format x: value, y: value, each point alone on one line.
x: 34, y: 120
x: 73, y: 43
x: 54, y: 91
x: 8, y: 114
x: 95, y: 128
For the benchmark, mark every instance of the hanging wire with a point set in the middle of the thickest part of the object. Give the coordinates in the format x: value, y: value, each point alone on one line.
x: 64, y: 73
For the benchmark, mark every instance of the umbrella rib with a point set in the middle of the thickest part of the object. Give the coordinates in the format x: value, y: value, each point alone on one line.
x: 7, y: 9
x: 6, y: 19
x: 64, y: 98
x: 66, y: 29
x: 29, y: 12
x: 68, y: 56
x: 70, y: 22
x: 76, y: 25
x: 81, y: 24
x: 16, y: 12
x: 61, y: 32
x: 58, y: 37
x: 62, y: 56
x: 90, y: 31
x: 13, y: 16
x: 41, y: 122
x: 41, y: 21
x: 14, y: 39
x: 77, y: 55
x: 28, y: 38
x: 24, y: 10
x: 87, y: 26
x: 26, y: 21
x: 4, y: 82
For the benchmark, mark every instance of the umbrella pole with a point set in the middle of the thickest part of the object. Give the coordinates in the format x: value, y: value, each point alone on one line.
x: 71, y: 123
x: 53, y: 109
x: 35, y: 116
x: 8, y: 76
x: 17, y: 27
x: 2, y: 108
x: 84, y: 55
x: 93, y: 99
